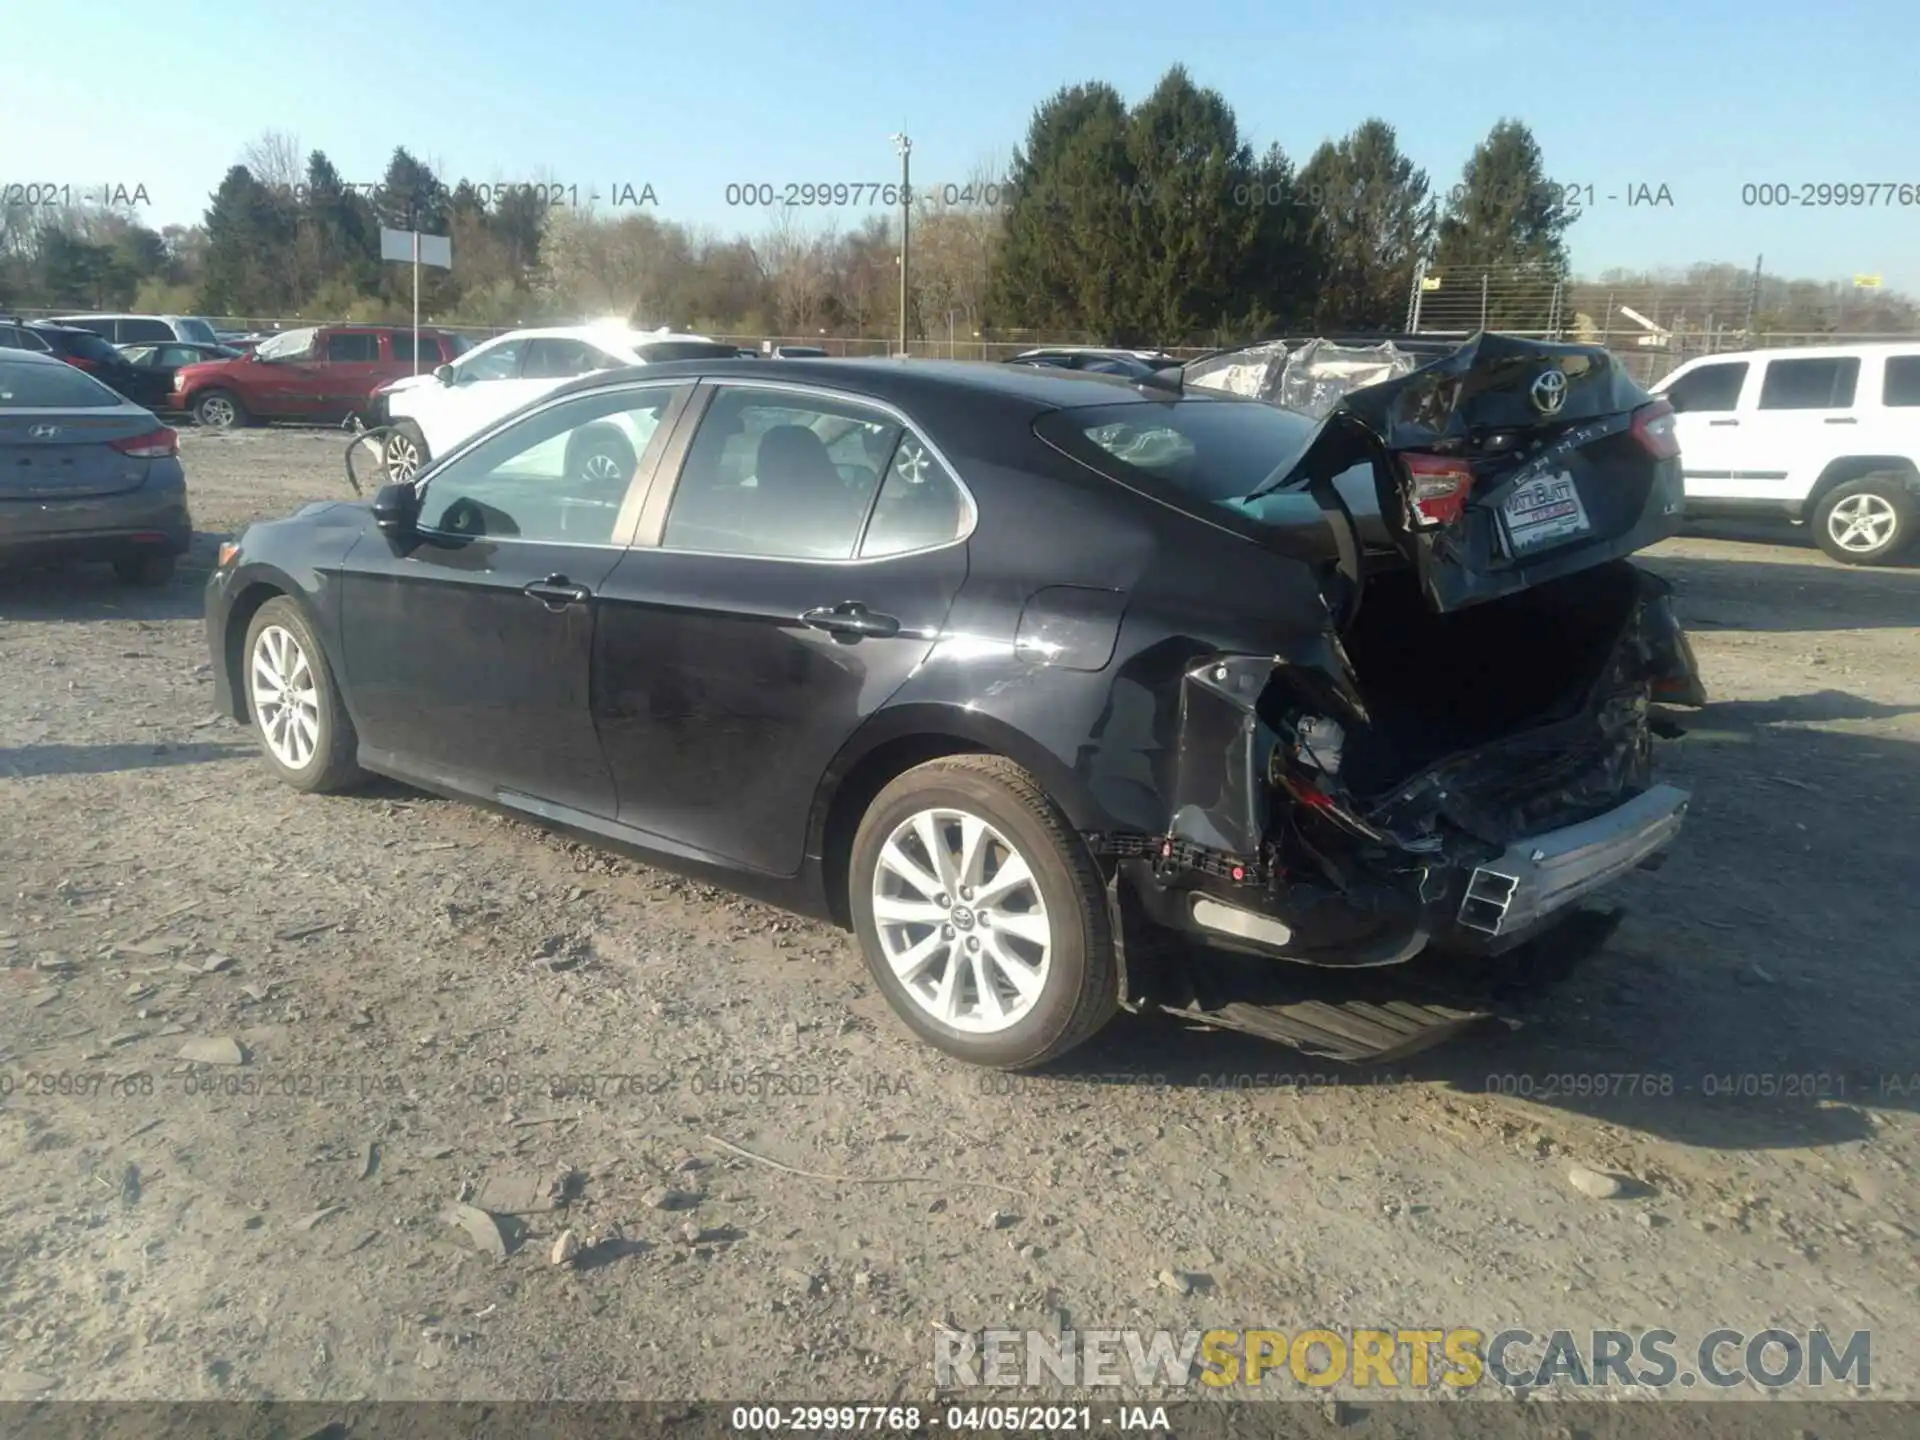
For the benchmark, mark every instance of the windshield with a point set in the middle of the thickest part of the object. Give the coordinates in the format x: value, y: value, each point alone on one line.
x: 52, y: 387
x: 292, y: 345
x: 1213, y: 450
x: 198, y: 331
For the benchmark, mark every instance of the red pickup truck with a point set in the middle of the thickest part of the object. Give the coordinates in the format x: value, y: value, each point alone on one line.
x: 324, y: 373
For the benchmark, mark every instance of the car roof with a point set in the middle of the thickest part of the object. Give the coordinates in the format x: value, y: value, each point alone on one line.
x: 903, y: 381
x: 29, y: 357
x: 1810, y: 352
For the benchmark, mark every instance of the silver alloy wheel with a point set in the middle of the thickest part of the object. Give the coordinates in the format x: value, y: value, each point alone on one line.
x: 601, y: 465
x: 1862, y: 522
x: 402, y: 458
x: 286, y: 698
x: 961, y: 920
x: 218, y: 411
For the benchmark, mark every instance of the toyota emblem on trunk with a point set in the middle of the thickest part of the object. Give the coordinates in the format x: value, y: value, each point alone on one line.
x: 44, y: 432
x: 1549, y: 392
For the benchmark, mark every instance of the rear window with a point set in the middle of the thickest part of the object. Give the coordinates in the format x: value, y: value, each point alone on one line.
x: 1824, y: 384
x: 52, y: 387
x: 1214, y: 450
x: 87, y: 346
x: 1901, y: 387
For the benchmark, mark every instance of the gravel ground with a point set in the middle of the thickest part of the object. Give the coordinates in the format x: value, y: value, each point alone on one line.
x: 403, y: 977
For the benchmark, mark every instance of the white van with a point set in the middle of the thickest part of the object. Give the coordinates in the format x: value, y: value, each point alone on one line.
x: 144, y: 329
x: 1827, y: 435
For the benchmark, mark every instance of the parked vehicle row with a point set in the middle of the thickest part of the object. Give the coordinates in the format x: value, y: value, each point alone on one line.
x: 1015, y: 671
x: 322, y: 373
x: 83, y: 350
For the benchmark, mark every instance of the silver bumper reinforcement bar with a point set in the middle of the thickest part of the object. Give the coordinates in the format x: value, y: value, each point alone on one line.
x: 1545, y: 873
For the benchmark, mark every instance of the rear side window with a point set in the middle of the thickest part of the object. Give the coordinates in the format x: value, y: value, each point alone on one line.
x: 403, y: 348
x: 1901, y: 388
x: 358, y: 348
x: 52, y: 387
x: 143, y: 330
x: 920, y: 504
x: 1824, y: 384
x: 1710, y: 388
x: 89, y: 346
x: 102, y: 328
x: 1211, y: 450
x: 198, y: 331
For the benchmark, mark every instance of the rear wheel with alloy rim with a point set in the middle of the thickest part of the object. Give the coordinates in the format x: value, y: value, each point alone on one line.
x: 1866, y: 521
x: 303, y: 728
x: 404, y: 452
x: 981, y: 913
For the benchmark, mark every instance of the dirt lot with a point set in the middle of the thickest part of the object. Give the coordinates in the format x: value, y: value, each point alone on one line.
x: 403, y: 975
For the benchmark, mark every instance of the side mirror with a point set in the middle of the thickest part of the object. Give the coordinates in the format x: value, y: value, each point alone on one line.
x: 444, y: 374
x: 396, y: 509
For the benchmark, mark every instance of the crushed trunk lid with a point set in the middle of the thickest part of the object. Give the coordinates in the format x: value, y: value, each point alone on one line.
x: 1507, y: 463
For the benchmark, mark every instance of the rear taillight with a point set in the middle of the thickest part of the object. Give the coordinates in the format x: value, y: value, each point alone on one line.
x: 78, y: 363
x: 1653, y: 428
x: 1438, y: 487
x: 154, y: 445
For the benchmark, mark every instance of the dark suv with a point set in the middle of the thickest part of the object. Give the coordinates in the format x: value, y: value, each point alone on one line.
x: 86, y: 351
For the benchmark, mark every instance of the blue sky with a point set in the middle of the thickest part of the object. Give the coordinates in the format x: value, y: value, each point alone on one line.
x: 689, y: 95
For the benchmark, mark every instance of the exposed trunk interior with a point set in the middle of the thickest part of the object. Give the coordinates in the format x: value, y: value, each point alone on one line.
x: 1439, y: 684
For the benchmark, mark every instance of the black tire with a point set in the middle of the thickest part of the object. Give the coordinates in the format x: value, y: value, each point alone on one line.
x: 331, y: 765
x: 149, y: 570
x: 602, y: 457
x: 1892, y: 496
x: 1080, y: 993
x: 403, y: 435
x: 219, y: 410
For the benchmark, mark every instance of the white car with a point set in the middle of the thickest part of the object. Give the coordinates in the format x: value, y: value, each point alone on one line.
x: 1826, y: 435
x: 430, y: 414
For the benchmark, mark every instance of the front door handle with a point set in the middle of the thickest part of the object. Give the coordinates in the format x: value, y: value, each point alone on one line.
x: 1723, y: 422
x: 556, y: 592
x: 852, y: 619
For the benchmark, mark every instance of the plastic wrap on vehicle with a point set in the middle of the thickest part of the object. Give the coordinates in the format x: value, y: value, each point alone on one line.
x: 1253, y: 372
x: 1311, y: 378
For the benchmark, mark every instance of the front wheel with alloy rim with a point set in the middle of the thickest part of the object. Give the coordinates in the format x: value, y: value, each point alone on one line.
x: 982, y: 914
x: 404, y: 452
x: 218, y: 410
x: 1866, y: 521
x: 302, y: 726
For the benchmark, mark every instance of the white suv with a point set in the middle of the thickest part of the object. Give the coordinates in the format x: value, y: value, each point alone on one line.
x: 430, y: 414
x: 1826, y: 435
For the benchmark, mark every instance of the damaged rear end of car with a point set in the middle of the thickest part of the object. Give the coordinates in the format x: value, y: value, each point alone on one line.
x: 1466, y: 752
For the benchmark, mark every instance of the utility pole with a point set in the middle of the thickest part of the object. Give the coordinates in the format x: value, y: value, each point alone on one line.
x: 905, y: 146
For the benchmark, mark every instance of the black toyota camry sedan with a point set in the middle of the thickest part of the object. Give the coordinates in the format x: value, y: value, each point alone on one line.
x: 1019, y: 674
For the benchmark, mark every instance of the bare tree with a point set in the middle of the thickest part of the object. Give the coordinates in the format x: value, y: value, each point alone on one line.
x: 274, y: 159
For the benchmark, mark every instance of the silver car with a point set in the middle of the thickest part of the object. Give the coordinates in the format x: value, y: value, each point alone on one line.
x: 86, y: 474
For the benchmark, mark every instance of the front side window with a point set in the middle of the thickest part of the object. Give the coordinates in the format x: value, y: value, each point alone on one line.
x: 558, y: 476
x: 780, y: 475
x: 1823, y: 384
x: 1714, y: 388
x: 559, y: 359
x: 288, y: 345
x: 354, y: 348
x: 492, y: 362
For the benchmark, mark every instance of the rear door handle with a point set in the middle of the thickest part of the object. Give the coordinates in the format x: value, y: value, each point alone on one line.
x: 1841, y: 420
x: 852, y: 619
x: 1723, y: 422
x: 556, y: 592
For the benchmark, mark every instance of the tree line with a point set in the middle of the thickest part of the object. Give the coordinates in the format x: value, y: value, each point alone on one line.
x: 1157, y: 223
